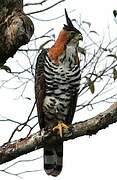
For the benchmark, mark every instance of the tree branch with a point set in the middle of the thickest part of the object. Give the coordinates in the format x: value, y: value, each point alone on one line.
x: 34, y: 4
x: 16, y: 28
x: 55, y: 4
x: 12, y: 150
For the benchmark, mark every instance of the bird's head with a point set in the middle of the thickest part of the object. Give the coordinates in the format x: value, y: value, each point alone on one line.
x: 73, y: 33
x: 69, y: 34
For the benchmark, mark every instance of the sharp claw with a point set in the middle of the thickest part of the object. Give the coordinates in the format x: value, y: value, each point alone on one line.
x: 60, y: 127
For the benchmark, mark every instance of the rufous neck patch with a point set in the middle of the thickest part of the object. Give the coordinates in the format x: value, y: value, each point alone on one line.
x: 57, y: 49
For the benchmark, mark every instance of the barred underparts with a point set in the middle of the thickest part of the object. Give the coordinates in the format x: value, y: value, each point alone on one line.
x: 57, y: 82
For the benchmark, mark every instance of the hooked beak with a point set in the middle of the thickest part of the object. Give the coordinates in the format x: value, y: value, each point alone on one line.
x: 80, y: 37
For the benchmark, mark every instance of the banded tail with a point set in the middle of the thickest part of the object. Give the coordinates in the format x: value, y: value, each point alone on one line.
x: 53, y: 159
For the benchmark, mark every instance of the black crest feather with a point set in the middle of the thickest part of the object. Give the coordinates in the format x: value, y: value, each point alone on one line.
x: 69, y: 22
x: 69, y: 26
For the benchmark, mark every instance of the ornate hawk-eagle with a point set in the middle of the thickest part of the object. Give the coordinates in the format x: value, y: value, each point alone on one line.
x: 57, y: 81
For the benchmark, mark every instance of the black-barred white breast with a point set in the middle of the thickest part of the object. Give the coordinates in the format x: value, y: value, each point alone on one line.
x: 62, y: 81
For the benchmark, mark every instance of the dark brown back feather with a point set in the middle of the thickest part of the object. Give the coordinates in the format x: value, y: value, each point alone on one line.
x: 40, y: 87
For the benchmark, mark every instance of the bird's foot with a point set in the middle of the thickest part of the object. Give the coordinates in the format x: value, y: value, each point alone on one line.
x: 60, y: 128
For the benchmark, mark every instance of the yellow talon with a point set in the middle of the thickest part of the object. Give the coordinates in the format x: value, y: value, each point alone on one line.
x: 60, y: 128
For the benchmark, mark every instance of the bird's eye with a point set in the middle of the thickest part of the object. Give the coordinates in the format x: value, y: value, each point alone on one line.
x: 72, y: 34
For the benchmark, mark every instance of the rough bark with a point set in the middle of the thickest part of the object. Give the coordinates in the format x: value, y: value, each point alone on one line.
x: 12, y: 150
x: 16, y: 28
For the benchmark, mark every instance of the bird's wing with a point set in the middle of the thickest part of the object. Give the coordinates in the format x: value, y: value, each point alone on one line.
x: 40, y: 86
x: 72, y: 107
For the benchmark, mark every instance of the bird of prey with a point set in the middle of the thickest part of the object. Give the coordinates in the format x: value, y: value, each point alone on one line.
x: 57, y: 82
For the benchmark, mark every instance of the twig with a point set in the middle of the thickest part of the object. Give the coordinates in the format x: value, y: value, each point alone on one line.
x: 89, y: 127
x: 35, y: 4
x: 35, y: 12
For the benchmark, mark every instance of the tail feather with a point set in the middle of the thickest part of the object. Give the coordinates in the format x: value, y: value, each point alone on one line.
x: 53, y: 159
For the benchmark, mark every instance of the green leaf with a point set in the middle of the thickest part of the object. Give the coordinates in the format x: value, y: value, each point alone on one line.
x: 82, y: 50
x: 90, y: 85
x: 114, y: 73
x: 6, y: 68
